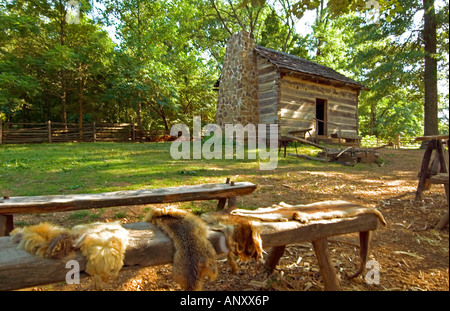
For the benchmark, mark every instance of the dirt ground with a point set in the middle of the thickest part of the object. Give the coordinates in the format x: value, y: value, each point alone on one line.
x: 411, y: 255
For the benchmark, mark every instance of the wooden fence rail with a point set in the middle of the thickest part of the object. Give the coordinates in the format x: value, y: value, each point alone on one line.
x: 53, y: 132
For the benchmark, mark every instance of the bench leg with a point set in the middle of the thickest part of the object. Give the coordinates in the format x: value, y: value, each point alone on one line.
x: 330, y: 279
x: 6, y: 224
x: 221, y: 204
x: 273, y: 257
x: 424, y: 174
x: 444, y: 221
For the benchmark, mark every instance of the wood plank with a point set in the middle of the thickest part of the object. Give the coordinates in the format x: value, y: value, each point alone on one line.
x: 273, y: 76
x: 296, y: 114
x: 428, y: 138
x: 270, y: 85
x: 268, y: 118
x: 319, y: 87
x: 271, y: 94
x: 58, y: 203
x: 267, y: 110
x: 292, y: 91
x: 149, y: 247
x: 266, y: 69
x: 268, y: 102
x: 304, y: 141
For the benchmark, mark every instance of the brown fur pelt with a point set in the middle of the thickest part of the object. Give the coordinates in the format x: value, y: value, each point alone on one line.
x: 310, y: 212
x: 102, y: 244
x: 242, y: 236
x: 195, y: 256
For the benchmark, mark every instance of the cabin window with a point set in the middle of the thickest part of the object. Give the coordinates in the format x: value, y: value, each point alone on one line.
x: 321, y: 114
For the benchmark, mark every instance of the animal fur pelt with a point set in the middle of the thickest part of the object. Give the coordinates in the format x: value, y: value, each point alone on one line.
x: 195, y: 256
x: 310, y: 212
x: 102, y: 244
x: 242, y: 236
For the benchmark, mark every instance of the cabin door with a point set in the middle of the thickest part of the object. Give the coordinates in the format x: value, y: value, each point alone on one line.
x: 321, y: 114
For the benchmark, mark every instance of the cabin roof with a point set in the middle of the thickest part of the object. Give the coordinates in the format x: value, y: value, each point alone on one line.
x: 294, y: 63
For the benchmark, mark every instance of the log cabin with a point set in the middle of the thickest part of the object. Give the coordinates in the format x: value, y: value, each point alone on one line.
x: 263, y: 86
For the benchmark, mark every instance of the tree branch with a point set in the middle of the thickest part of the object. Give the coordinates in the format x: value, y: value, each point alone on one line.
x: 220, y: 17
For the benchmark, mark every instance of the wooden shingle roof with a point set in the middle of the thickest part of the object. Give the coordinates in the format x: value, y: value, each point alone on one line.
x: 292, y: 63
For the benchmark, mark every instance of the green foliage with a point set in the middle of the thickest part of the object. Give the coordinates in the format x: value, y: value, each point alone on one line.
x: 167, y: 56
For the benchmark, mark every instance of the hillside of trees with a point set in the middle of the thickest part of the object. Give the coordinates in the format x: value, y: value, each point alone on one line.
x: 155, y: 63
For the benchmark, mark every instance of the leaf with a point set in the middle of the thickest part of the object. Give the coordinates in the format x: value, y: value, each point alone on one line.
x: 409, y: 254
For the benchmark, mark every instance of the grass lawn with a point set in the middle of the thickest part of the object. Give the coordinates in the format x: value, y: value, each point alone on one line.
x: 69, y: 168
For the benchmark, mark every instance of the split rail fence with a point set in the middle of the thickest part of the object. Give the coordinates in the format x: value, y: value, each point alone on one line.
x: 53, y: 132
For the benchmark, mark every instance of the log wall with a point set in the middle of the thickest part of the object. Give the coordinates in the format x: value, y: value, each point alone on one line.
x: 268, y: 91
x: 297, y: 106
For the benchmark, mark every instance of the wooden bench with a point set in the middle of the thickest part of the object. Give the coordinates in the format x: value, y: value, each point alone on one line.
x: 62, y: 203
x: 150, y: 247
x: 436, y: 171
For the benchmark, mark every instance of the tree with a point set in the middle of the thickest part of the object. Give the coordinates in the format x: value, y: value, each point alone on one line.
x: 160, y: 62
x: 430, y: 76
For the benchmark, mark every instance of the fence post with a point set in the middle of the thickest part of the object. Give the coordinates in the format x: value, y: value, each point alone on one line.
x: 93, y: 132
x: 1, y: 131
x: 133, y: 132
x: 49, y: 130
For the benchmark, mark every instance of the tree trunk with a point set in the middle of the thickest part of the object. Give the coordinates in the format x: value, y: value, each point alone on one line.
x: 80, y: 104
x: 431, y: 97
x: 62, y: 21
x: 163, y: 117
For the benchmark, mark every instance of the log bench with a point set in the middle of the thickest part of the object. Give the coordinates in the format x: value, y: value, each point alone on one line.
x: 150, y: 247
x: 62, y: 203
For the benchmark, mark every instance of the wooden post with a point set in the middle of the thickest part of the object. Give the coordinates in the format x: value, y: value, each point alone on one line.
x: 223, y: 201
x: 424, y: 174
x: 340, y: 134
x: 1, y: 131
x: 133, y: 132
x: 317, y: 130
x: 330, y: 279
x: 49, y: 131
x: 6, y: 224
x: 94, y: 134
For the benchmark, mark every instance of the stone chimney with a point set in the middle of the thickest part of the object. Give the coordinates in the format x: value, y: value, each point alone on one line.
x: 238, y: 90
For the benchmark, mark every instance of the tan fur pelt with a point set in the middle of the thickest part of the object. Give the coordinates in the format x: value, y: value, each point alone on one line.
x: 195, y: 256
x: 242, y: 236
x: 102, y: 244
x: 310, y: 212
x: 37, y: 239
